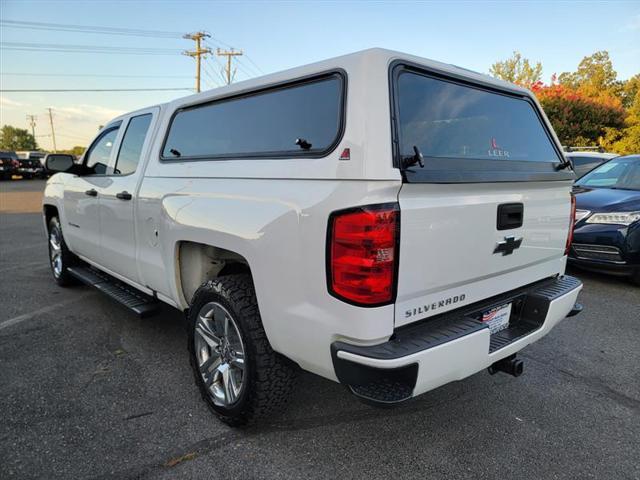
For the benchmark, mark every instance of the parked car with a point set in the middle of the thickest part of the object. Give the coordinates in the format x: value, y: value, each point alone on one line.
x: 31, y: 160
x: 607, y: 231
x: 8, y: 165
x: 396, y: 235
x: 30, y: 165
x: 585, y: 161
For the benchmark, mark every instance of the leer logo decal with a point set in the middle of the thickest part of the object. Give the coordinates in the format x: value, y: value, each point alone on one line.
x: 496, y: 151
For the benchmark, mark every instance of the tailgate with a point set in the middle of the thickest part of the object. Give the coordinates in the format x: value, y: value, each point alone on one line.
x: 449, y: 237
x: 485, y: 204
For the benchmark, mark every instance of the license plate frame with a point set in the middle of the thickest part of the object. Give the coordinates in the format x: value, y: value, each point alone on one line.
x: 497, y: 318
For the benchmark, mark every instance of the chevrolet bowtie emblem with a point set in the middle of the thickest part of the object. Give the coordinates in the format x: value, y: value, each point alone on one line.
x: 508, y: 245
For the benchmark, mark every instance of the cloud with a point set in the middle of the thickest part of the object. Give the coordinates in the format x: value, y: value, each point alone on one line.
x: 7, y: 103
x: 78, y: 124
x: 83, y: 113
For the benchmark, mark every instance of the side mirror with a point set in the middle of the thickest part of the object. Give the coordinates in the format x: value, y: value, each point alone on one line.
x: 59, y: 162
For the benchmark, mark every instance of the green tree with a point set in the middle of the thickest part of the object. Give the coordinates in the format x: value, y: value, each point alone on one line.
x: 595, y: 75
x: 630, y: 89
x: 77, y: 151
x: 12, y: 138
x: 517, y: 70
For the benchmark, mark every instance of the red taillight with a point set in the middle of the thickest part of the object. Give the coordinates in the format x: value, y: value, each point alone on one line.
x: 572, y: 221
x: 363, y: 253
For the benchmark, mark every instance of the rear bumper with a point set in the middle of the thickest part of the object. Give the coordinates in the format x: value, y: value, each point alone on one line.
x: 426, y: 355
x: 30, y: 170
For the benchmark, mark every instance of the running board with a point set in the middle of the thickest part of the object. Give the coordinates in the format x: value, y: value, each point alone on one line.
x: 139, y: 303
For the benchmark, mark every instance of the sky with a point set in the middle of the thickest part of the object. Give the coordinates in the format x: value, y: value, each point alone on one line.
x: 274, y: 35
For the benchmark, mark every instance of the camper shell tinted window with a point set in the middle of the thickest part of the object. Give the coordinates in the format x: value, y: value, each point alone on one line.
x: 468, y: 133
x: 265, y: 123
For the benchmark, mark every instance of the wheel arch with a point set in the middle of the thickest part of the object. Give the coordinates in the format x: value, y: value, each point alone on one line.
x: 49, y: 211
x: 197, y: 263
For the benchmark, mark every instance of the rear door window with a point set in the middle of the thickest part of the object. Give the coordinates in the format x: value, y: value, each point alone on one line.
x: 261, y: 124
x: 462, y: 128
x: 132, y: 143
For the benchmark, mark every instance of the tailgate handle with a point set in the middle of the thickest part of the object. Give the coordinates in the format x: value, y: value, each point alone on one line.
x: 510, y: 216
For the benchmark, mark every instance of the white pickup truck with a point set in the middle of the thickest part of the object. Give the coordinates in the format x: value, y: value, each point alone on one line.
x: 379, y: 219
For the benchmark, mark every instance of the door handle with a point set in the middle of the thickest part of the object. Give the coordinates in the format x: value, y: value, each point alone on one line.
x: 92, y: 193
x: 124, y: 195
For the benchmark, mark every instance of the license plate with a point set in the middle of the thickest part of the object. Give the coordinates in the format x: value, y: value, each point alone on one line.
x: 497, y: 318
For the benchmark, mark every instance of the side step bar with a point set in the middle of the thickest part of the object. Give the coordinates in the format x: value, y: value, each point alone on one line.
x: 139, y: 303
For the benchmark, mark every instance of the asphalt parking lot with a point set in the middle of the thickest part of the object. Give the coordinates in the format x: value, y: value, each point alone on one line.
x: 88, y: 390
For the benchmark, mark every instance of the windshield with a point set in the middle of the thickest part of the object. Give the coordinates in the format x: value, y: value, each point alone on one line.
x: 623, y: 173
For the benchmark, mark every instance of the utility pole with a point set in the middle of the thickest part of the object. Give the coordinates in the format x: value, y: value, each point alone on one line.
x: 229, y: 54
x: 53, y: 133
x: 32, y: 123
x: 197, y: 53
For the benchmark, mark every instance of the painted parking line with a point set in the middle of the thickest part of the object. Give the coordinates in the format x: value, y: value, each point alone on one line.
x: 29, y: 316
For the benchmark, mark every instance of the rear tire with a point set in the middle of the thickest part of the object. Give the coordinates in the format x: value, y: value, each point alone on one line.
x: 635, y: 277
x: 60, y: 257
x: 239, y: 375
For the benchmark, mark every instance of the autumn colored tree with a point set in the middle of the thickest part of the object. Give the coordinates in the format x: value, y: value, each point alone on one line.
x: 517, y: 70
x: 12, y: 138
x: 577, y: 119
x: 587, y: 107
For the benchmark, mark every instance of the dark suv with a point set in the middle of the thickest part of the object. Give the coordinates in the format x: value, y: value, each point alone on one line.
x: 31, y: 164
x: 8, y: 165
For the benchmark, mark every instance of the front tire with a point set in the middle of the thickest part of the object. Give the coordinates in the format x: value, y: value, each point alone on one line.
x: 60, y: 257
x: 239, y: 375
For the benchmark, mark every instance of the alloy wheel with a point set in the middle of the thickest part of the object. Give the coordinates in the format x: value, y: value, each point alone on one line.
x: 55, y: 251
x: 220, y: 354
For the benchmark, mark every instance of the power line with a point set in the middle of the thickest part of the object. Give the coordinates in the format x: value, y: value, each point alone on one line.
x: 244, y: 69
x: 49, y: 47
x: 89, y: 29
x: 218, y: 71
x: 77, y: 138
x: 220, y: 68
x: 210, y: 76
x: 94, y: 90
x: 254, y: 64
x: 58, y: 50
x: 99, y: 75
